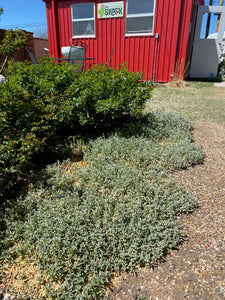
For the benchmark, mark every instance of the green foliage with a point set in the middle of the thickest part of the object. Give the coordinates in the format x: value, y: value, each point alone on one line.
x: 31, y: 114
x: 222, y: 67
x: 165, y: 139
x: 12, y: 41
x: 40, y: 105
x: 103, y: 94
x: 124, y: 217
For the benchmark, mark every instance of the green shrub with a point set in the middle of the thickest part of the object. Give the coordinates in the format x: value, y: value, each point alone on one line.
x: 103, y: 94
x: 31, y: 114
x: 41, y: 105
x: 12, y: 41
x: 221, y: 68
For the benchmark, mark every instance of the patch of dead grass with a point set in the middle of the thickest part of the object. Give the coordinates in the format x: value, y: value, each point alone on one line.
x: 179, y: 83
x: 22, y: 277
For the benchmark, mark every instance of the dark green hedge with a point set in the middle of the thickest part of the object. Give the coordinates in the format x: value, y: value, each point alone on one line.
x: 41, y: 104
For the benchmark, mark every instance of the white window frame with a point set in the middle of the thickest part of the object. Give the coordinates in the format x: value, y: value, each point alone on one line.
x: 82, y: 20
x: 140, y: 16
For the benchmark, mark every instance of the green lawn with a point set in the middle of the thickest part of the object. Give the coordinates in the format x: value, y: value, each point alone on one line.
x: 198, y: 100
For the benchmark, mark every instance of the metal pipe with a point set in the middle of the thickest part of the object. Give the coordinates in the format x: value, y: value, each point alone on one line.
x: 156, y: 50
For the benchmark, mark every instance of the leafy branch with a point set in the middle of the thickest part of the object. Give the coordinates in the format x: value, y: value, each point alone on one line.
x: 12, y: 41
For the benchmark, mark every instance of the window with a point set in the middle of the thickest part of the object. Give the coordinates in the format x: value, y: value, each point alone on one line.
x: 140, y: 17
x: 210, y: 25
x: 83, y: 20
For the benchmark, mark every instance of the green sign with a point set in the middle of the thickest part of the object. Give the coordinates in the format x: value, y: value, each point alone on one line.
x: 110, y: 10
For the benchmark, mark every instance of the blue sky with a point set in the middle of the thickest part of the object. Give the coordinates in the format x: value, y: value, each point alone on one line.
x: 26, y: 14
x: 215, y: 2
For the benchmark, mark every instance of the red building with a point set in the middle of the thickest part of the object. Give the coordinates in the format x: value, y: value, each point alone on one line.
x: 152, y: 36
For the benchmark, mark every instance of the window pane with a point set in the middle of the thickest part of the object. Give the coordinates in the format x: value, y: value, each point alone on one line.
x: 140, y: 6
x: 210, y: 25
x: 139, y: 25
x: 84, y: 28
x: 83, y: 11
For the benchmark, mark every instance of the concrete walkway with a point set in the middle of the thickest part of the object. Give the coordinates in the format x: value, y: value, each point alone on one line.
x: 220, y: 84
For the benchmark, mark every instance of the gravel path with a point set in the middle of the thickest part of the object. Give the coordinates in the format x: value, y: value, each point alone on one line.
x: 196, y: 270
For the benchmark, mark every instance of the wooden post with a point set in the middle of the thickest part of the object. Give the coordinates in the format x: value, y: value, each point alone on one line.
x: 218, y: 20
x: 3, y: 66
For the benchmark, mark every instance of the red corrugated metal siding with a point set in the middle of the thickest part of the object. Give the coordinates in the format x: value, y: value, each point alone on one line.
x: 167, y: 25
x: 138, y: 51
x: 184, y: 36
x: 50, y: 29
x: 161, y: 26
x: 53, y: 35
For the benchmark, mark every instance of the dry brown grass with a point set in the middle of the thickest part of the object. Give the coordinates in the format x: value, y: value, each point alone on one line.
x: 194, y: 100
x: 178, y: 83
x: 22, y: 277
